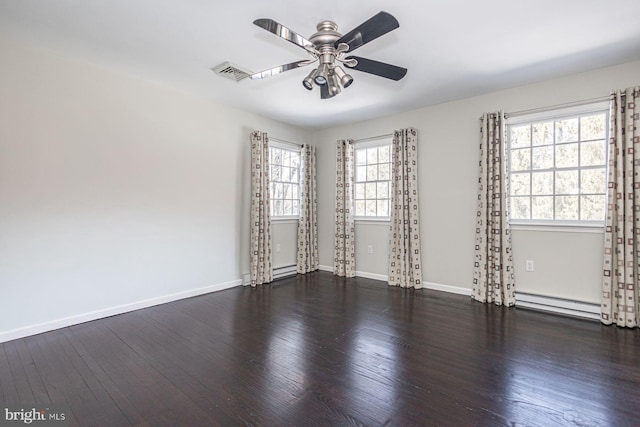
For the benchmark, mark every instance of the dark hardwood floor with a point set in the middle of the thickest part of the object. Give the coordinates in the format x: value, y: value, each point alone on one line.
x: 321, y: 350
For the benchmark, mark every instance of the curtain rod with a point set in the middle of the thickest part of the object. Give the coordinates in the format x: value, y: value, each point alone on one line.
x: 554, y: 107
x: 373, y: 138
x: 282, y: 141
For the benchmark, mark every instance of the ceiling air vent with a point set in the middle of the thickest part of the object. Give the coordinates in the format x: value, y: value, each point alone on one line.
x: 231, y: 71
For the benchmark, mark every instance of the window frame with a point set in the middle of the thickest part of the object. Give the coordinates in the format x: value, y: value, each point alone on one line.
x: 294, y: 148
x: 378, y: 142
x: 555, y: 115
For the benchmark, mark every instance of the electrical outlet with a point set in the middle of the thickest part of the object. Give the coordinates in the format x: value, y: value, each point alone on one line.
x: 369, y: 249
x: 277, y: 247
x: 528, y: 265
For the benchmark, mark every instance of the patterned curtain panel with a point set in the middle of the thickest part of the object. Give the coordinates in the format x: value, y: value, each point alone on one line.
x: 620, y: 296
x: 493, y: 269
x: 308, y: 259
x: 344, y: 259
x: 404, y: 245
x: 260, y: 263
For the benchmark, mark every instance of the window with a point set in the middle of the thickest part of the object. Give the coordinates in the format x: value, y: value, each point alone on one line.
x: 558, y: 170
x: 284, y: 168
x: 373, y: 180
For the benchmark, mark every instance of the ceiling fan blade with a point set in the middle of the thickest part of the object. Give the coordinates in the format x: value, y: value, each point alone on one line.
x: 378, y: 68
x: 283, y: 32
x: 376, y: 26
x: 279, y: 69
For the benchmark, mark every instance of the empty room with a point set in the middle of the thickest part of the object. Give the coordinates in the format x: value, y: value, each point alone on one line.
x: 340, y: 213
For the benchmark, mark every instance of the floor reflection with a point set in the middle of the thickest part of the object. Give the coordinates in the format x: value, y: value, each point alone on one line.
x: 529, y: 380
x: 533, y: 392
x: 286, y: 358
x: 363, y: 354
x: 373, y: 364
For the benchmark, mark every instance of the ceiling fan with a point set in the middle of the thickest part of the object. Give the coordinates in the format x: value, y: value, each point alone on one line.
x: 330, y: 49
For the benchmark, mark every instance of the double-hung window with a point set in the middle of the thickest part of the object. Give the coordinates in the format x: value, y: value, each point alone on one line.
x: 558, y: 166
x: 373, y: 179
x: 284, y: 170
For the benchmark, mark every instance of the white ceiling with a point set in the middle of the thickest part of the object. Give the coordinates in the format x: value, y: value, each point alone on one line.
x: 452, y: 48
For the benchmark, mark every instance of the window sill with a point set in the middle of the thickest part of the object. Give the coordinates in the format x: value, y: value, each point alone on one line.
x: 285, y: 220
x: 569, y: 227
x: 373, y: 221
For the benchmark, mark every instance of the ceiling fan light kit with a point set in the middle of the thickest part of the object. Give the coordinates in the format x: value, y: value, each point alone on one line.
x: 331, y: 49
x: 345, y: 79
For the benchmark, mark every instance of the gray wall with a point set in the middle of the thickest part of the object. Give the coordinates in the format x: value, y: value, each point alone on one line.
x: 567, y: 264
x: 112, y: 197
x: 116, y: 192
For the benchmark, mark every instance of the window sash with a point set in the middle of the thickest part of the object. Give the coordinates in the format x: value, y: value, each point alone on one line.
x: 381, y: 203
x: 554, y: 117
x: 289, y: 196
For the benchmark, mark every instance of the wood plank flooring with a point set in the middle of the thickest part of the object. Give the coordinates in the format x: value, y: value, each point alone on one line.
x: 321, y: 350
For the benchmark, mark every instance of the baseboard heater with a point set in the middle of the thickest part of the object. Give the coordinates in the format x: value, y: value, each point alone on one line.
x: 287, y: 271
x: 276, y: 273
x: 558, y: 305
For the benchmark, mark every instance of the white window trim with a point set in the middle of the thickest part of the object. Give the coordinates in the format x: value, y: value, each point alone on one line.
x: 558, y: 114
x: 559, y: 226
x: 370, y: 143
x: 289, y: 146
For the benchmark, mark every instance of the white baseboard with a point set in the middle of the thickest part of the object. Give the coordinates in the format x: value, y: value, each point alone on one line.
x: 538, y: 302
x: 364, y: 274
x: 112, y: 311
x: 373, y: 276
x: 447, y: 288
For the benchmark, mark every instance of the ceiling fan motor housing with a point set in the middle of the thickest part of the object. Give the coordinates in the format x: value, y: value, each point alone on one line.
x: 324, y: 40
x: 327, y: 34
